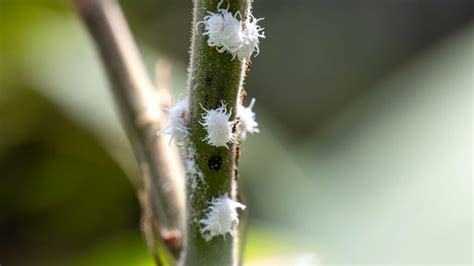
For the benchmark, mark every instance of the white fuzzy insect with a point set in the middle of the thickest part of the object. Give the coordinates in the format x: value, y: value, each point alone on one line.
x: 248, y: 124
x: 221, y: 217
x: 232, y: 35
x: 178, y: 120
x: 224, y: 31
x: 251, y: 33
x: 218, y: 127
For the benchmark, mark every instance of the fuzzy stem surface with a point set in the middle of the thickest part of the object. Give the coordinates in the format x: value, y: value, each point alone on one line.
x: 214, y: 79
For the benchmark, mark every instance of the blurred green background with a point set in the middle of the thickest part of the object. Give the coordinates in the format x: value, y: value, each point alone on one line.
x: 364, y: 155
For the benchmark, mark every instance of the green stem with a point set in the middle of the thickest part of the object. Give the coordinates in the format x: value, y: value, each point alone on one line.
x: 214, y: 78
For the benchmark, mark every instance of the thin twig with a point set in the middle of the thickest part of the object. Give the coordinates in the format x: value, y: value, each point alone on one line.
x: 141, y: 113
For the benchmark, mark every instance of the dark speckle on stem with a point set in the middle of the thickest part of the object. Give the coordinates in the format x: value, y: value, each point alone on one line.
x: 208, y: 80
x: 215, y: 162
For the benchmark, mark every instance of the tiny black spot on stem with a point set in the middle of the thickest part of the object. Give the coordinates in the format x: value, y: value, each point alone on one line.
x: 208, y: 80
x: 236, y: 175
x: 215, y: 162
x: 237, y: 154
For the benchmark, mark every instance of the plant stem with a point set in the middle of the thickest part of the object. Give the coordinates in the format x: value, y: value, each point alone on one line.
x: 141, y: 114
x: 214, y: 78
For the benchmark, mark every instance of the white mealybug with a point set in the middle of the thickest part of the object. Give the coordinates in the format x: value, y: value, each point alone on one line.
x: 247, y: 120
x: 229, y: 34
x: 221, y: 217
x: 178, y: 119
x: 224, y: 31
x: 251, y: 33
x: 218, y: 127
